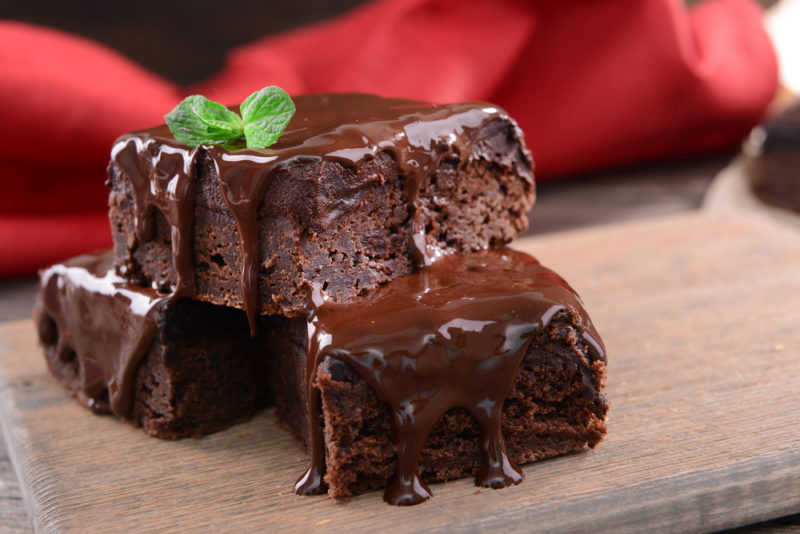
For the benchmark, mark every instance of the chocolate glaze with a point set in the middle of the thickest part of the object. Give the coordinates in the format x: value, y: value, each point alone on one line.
x: 103, y: 321
x: 161, y: 178
x: 343, y: 128
x: 451, y: 335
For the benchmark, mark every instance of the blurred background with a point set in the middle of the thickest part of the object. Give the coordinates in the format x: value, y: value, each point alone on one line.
x: 183, y: 42
x: 188, y: 43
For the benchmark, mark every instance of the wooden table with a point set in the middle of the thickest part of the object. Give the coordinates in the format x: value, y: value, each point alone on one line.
x: 584, y: 201
x: 602, y: 198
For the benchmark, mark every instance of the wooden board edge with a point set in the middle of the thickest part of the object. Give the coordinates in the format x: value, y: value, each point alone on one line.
x: 705, y: 501
x: 20, y: 465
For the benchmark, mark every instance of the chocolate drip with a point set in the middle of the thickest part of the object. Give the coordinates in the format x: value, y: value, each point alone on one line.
x: 243, y: 182
x: 162, y: 176
x: 345, y: 129
x: 451, y: 335
x: 84, y: 297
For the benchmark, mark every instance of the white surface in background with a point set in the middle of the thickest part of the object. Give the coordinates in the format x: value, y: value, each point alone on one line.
x: 783, y: 25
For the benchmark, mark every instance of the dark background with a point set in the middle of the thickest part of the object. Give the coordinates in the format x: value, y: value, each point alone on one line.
x: 183, y: 41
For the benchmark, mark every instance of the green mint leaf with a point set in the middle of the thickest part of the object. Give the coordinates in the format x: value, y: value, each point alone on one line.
x: 265, y: 115
x: 197, y: 121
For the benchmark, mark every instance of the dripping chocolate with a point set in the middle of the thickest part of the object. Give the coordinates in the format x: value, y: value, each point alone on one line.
x: 435, y: 324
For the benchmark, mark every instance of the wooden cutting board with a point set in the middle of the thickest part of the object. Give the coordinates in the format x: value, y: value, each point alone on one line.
x: 701, y: 317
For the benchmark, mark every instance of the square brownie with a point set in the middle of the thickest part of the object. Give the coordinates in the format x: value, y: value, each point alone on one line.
x: 358, y: 191
x: 176, y: 368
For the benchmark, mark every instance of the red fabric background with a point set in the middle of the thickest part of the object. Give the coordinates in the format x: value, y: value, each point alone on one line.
x: 593, y: 83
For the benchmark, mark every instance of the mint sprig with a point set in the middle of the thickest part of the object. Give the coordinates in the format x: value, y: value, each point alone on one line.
x: 200, y: 121
x: 197, y: 120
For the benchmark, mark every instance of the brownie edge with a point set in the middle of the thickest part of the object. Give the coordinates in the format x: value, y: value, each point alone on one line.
x: 350, y: 225
x: 556, y: 405
x: 197, y: 370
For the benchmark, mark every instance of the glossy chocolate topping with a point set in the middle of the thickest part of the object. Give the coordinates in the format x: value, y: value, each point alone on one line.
x: 451, y: 335
x: 107, y: 321
x: 346, y: 129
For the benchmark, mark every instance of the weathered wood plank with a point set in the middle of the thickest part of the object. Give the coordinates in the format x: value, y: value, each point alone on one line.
x: 700, y: 315
x: 12, y: 511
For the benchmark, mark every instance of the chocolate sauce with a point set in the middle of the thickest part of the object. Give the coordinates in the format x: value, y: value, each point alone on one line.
x: 106, y: 321
x: 161, y: 176
x: 343, y: 128
x: 451, y: 335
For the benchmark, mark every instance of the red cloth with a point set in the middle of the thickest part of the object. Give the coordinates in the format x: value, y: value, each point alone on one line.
x: 593, y: 83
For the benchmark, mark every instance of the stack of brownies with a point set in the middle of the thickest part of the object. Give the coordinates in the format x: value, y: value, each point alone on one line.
x: 355, y: 274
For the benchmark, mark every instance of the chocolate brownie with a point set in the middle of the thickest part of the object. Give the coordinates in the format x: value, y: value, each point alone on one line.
x: 358, y: 191
x: 401, y: 342
x: 479, y: 362
x: 447, y: 365
x: 555, y: 406
x: 772, y: 160
x: 177, y: 368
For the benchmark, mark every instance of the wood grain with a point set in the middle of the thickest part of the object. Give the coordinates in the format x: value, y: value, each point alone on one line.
x: 700, y: 315
x: 12, y: 512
